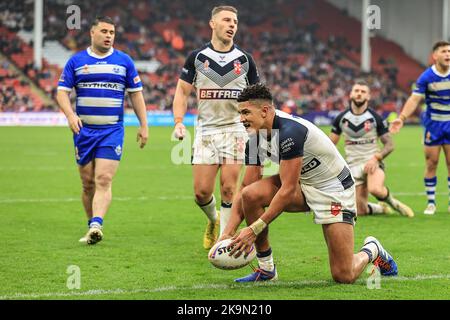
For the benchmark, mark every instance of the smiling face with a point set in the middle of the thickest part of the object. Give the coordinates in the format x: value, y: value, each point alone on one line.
x: 224, y: 25
x: 442, y: 56
x: 102, y: 36
x: 253, y: 115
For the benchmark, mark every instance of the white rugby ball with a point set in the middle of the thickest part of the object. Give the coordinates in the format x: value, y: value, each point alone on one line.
x: 220, y: 258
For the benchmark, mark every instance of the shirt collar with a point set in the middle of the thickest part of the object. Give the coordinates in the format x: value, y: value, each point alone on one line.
x: 92, y: 54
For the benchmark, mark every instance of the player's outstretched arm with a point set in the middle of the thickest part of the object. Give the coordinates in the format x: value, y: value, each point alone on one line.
x: 63, y: 99
x: 180, y: 100
x: 137, y: 100
x: 410, y: 106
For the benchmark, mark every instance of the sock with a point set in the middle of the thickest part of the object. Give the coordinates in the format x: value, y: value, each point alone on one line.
x: 95, y: 222
x: 430, y: 187
x: 210, y: 209
x: 225, y: 212
x: 374, y: 208
x: 372, y: 251
x: 389, y: 199
x: 265, y: 260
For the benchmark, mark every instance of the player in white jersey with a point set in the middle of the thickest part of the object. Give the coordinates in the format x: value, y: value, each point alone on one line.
x: 313, y: 176
x: 433, y: 87
x: 218, y: 72
x: 101, y: 76
x: 362, y: 127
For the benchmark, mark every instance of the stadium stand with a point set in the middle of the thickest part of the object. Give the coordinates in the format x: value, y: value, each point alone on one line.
x: 309, y: 63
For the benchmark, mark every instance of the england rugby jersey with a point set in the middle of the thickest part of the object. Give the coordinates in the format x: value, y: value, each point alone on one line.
x: 100, y: 83
x: 293, y: 137
x: 435, y: 88
x: 219, y: 78
x: 361, y: 132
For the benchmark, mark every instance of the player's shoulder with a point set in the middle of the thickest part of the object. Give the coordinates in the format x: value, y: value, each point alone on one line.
x: 289, y: 125
x: 244, y: 52
x: 373, y: 112
x: 118, y: 54
x: 343, y: 113
x: 194, y: 53
x: 428, y: 74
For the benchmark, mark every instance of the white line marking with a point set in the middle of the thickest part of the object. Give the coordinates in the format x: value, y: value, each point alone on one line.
x: 23, y: 200
x: 168, y: 197
x: 208, y: 287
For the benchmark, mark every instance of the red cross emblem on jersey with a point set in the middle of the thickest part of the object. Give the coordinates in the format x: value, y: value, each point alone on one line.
x: 336, y: 208
x: 240, y: 144
x: 237, y: 67
x: 367, y: 126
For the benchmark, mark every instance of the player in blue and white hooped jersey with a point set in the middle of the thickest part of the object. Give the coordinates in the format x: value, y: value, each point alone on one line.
x: 100, y: 75
x: 433, y: 86
x: 312, y: 176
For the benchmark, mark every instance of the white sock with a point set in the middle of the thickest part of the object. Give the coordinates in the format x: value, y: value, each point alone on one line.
x: 265, y: 262
x: 210, y: 209
x: 225, y: 213
x: 372, y: 251
x: 375, y: 208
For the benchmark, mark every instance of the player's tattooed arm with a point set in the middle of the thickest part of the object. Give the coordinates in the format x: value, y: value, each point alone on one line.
x: 388, y: 145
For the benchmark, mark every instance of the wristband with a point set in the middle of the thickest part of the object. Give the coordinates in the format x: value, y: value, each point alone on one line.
x: 402, y: 117
x: 258, y: 226
x: 178, y: 120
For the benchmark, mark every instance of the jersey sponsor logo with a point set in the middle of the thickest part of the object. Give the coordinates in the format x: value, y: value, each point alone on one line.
x: 211, y: 94
x: 185, y: 71
x: 100, y: 85
x: 237, y: 67
x: 287, y: 145
x: 336, y: 208
x: 136, y: 79
x: 365, y: 141
x: 314, y: 163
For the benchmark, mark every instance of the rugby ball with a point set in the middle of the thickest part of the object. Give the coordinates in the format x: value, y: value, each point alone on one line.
x: 220, y: 258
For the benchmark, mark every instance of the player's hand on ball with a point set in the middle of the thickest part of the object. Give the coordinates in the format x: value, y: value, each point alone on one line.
x: 242, y: 242
x: 180, y: 131
x: 396, y: 125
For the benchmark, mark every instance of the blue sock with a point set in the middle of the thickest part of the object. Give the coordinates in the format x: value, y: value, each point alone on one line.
x: 430, y: 187
x: 95, y: 220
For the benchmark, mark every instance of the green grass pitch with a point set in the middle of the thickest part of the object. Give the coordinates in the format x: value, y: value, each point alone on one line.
x: 152, y: 247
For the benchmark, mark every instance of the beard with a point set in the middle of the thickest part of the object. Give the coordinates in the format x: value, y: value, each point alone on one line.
x: 359, y: 104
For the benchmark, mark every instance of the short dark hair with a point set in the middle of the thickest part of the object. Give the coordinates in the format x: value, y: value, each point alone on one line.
x: 439, y: 44
x: 218, y: 9
x: 105, y: 19
x: 256, y: 91
x: 361, y: 82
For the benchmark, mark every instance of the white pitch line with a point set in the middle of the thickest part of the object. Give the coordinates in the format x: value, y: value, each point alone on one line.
x: 280, y: 284
x: 169, y: 197
x: 45, y: 200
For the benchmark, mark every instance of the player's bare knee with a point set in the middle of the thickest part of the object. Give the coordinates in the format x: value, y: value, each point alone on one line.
x: 377, y: 191
x: 88, y: 185
x: 103, y: 180
x: 343, y: 276
x: 202, y: 196
x: 227, y: 192
x: 249, y: 195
